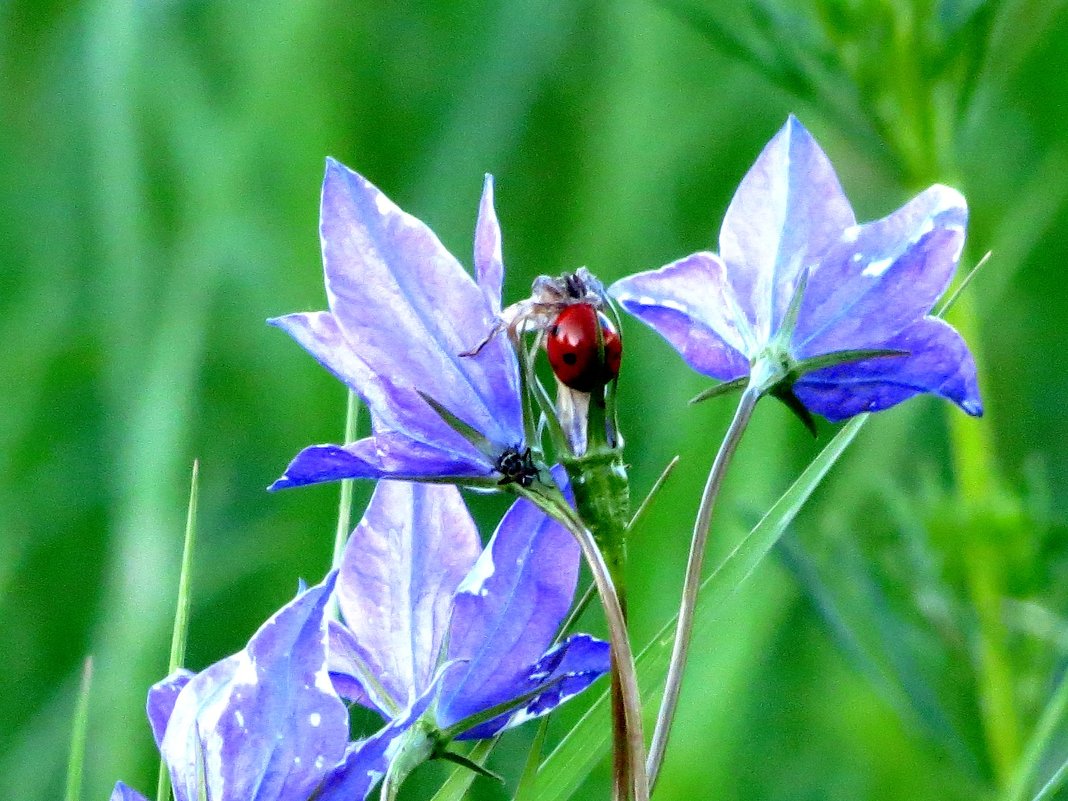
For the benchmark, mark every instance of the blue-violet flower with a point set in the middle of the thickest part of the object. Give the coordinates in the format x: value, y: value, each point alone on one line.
x: 404, y: 325
x: 263, y: 724
x: 446, y: 639
x: 790, y: 229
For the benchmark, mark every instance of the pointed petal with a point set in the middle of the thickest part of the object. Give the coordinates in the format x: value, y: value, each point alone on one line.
x: 124, y: 793
x: 690, y: 303
x: 938, y: 362
x: 393, y: 409
x: 382, y: 456
x: 161, y: 698
x: 365, y: 762
x: 788, y: 210
x: 489, y: 263
x: 410, y: 309
x: 883, y: 276
x: 401, y: 566
x: 506, y: 611
x: 565, y: 671
x: 264, y: 724
x: 320, y: 335
x: 344, y: 661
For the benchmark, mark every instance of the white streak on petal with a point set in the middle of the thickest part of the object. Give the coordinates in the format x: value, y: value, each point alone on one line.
x: 475, y: 581
x: 877, y: 268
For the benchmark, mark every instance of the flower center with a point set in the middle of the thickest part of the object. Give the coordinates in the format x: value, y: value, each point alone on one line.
x: 516, y: 466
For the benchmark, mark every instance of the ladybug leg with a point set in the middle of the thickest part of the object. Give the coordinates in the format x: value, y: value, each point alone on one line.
x: 497, y: 328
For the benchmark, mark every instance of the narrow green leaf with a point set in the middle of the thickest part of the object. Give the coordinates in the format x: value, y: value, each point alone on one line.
x: 488, y: 714
x: 181, y: 612
x: 459, y: 781
x: 475, y: 437
x: 963, y: 285
x: 469, y: 765
x: 843, y: 357
x: 577, y: 610
x: 653, y: 492
x: 78, y: 735
x: 525, y: 790
x: 587, y: 743
x: 725, y: 388
x: 1053, y: 785
x: 1049, y: 724
x: 784, y: 393
x: 789, y: 319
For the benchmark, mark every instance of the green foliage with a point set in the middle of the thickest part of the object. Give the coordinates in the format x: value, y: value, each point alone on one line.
x: 160, y: 170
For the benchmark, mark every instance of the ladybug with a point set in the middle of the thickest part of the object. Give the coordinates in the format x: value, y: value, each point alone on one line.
x: 571, y: 343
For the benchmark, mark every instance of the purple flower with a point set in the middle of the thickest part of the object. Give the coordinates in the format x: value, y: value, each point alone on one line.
x: 264, y: 724
x: 404, y: 320
x: 789, y: 235
x: 439, y: 631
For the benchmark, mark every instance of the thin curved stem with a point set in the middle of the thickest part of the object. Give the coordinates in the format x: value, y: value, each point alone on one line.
x: 622, y: 655
x: 344, y: 508
x: 684, y: 628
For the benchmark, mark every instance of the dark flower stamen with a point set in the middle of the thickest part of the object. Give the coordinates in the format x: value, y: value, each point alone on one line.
x: 517, y: 467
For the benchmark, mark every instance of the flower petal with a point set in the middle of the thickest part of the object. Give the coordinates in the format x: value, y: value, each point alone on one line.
x: 124, y: 793
x: 345, y: 663
x: 409, y: 309
x: 691, y: 304
x: 883, y: 276
x: 401, y: 566
x: 938, y: 362
x: 787, y: 211
x: 386, y: 455
x: 566, y: 670
x: 161, y: 698
x: 365, y: 762
x: 506, y: 612
x: 399, y: 416
x: 264, y: 724
x: 489, y: 263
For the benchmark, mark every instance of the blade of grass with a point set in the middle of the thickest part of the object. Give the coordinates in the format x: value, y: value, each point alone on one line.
x: 525, y: 790
x: 1048, y: 725
x: 181, y: 613
x: 79, y: 731
x: 586, y: 744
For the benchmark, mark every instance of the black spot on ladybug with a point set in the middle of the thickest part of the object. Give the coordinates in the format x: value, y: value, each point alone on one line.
x: 574, y: 352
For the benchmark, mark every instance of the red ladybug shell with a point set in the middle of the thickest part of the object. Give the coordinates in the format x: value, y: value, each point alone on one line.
x: 572, y: 347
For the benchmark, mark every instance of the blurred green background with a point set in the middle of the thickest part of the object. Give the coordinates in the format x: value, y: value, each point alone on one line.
x: 160, y: 165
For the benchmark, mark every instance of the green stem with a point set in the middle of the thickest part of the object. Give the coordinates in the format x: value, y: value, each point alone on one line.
x: 552, y: 503
x: 692, y: 583
x: 602, y: 497
x: 344, y: 510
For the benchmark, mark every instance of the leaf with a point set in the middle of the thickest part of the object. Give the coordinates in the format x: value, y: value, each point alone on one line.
x: 79, y: 731
x: 181, y: 612
x: 456, y: 786
x: 565, y: 769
